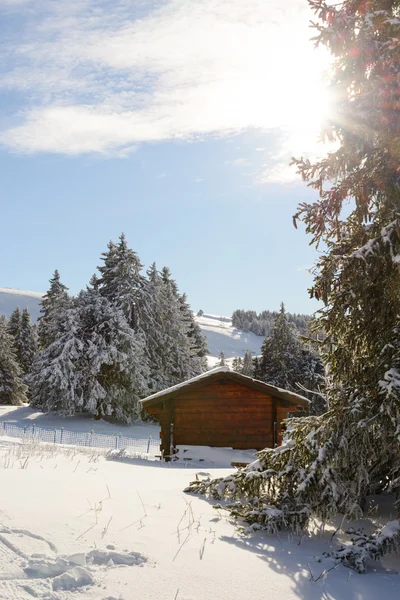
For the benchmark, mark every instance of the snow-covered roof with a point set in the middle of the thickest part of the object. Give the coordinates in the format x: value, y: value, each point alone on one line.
x: 273, y: 390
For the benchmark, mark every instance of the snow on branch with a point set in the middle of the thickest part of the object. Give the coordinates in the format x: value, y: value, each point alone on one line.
x: 368, y: 547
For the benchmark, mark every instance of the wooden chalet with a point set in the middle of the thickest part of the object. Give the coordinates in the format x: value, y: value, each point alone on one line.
x: 222, y: 408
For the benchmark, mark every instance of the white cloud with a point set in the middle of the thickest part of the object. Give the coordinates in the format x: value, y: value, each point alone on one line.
x: 238, y: 162
x: 97, y: 77
x: 11, y: 3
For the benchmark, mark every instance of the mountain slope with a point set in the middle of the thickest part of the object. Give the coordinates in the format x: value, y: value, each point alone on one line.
x: 10, y: 299
x: 223, y: 337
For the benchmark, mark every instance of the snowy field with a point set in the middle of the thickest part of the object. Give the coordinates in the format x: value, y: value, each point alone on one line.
x: 222, y: 336
x: 75, y: 524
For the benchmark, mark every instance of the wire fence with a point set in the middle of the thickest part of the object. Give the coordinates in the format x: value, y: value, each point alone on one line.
x: 147, y: 447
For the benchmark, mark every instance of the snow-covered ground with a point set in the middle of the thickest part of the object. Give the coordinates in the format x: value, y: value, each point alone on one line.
x: 25, y: 415
x: 74, y: 524
x: 222, y: 336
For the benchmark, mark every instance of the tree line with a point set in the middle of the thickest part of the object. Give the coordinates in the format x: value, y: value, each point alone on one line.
x: 125, y: 336
x: 288, y: 360
x: 262, y: 323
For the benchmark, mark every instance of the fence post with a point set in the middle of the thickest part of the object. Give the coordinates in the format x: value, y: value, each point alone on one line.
x: 33, y: 430
x: 148, y: 445
x: 91, y: 438
x: 5, y: 425
x: 62, y: 433
x: 117, y: 441
x: 55, y: 434
x: 24, y: 430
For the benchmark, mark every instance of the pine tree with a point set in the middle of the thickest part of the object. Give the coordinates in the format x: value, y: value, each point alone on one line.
x: 166, y: 276
x: 24, y: 336
x: 288, y: 361
x: 153, y: 331
x: 332, y: 462
x: 311, y: 380
x: 244, y: 365
x: 114, y: 361
x: 222, y: 360
x: 14, y: 329
x: 57, y: 381
x: 121, y: 281
x: 95, y: 365
x: 28, y: 343
x: 280, y: 354
x: 198, y: 342
x: 237, y: 364
x: 108, y: 270
x: 179, y: 362
x: 248, y: 368
x: 53, y: 302
x: 256, y: 368
x: 12, y: 389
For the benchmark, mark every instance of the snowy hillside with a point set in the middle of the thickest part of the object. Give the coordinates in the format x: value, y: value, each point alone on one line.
x: 10, y: 299
x: 221, y: 336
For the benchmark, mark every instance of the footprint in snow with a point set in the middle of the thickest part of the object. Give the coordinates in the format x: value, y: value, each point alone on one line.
x: 31, y: 567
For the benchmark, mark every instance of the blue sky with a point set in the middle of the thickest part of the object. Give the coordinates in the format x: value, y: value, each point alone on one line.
x: 171, y: 121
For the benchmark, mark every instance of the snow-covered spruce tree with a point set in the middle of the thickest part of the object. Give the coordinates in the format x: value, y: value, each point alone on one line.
x: 178, y: 352
x: 114, y: 363
x: 96, y: 365
x: 24, y: 338
x: 55, y: 301
x: 289, y: 361
x: 222, y: 360
x: 174, y: 347
x: 14, y: 329
x: 57, y: 380
x: 248, y: 368
x: 256, y: 367
x: 28, y: 342
x: 244, y: 365
x: 311, y: 380
x: 154, y: 334
x: 121, y: 281
x: 280, y: 353
x: 332, y: 462
x: 12, y: 389
x: 198, y: 342
x: 237, y: 364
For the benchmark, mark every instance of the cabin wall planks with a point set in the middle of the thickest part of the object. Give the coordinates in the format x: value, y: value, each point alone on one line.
x: 223, y: 413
